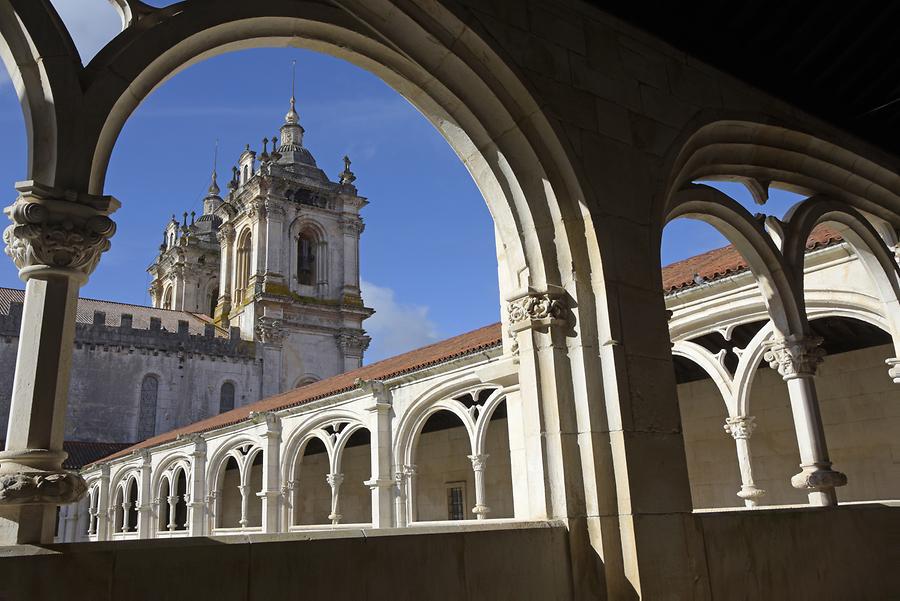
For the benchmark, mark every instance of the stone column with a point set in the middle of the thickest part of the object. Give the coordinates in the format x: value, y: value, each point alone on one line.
x: 287, y: 504
x: 353, y: 343
x: 352, y: 227
x: 144, y: 501
x: 172, y: 501
x: 401, y: 512
x: 796, y: 359
x: 536, y: 321
x: 271, y: 476
x: 196, y: 488
x: 479, y: 462
x: 335, y: 481
x: 274, y: 250
x: 245, y: 501
x: 225, y: 236
x: 55, y: 240
x: 409, y: 494
x: 83, y: 523
x: 258, y: 259
x: 741, y: 428
x: 103, y: 507
x: 380, y: 483
x: 212, y: 510
x: 270, y: 333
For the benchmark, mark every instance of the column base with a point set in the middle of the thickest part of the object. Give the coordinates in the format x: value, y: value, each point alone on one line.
x: 481, y: 511
x: 32, y: 477
x: 751, y: 495
x: 335, y: 518
x: 819, y: 481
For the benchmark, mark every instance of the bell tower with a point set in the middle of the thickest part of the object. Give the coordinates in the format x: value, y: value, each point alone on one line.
x: 288, y: 242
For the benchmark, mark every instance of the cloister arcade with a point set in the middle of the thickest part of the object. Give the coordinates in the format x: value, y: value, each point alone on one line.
x: 584, y: 364
x: 378, y: 456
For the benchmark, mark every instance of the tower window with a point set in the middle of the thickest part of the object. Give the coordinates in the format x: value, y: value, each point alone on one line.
x: 147, y: 409
x: 167, y: 298
x: 306, y: 260
x: 243, y: 264
x: 226, y: 397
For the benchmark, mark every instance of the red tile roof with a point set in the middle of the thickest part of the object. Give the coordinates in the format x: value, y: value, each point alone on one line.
x: 726, y: 261
x: 465, y: 344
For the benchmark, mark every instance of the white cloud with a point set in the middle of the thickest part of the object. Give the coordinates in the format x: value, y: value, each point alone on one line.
x: 91, y: 23
x: 396, y: 327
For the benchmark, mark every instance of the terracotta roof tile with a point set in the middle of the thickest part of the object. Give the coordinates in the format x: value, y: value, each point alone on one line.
x: 439, y: 352
x: 726, y: 261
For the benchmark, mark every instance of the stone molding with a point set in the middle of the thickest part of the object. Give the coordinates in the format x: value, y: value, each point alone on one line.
x: 795, y: 356
x: 740, y: 427
x: 479, y: 462
x: 63, y: 231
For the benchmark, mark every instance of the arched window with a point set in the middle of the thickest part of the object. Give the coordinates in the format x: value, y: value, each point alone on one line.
x: 147, y: 410
x: 167, y: 298
x: 242, y: 278
x: 212, y: 298
x: 306, y: 259
x: 226, y: 397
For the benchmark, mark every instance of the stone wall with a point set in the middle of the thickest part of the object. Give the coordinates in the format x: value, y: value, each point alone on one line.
x: 110, y: 362
x: 862, y: 425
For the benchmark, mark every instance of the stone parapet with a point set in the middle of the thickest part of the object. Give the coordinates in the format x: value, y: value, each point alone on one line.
x: 155, y: 338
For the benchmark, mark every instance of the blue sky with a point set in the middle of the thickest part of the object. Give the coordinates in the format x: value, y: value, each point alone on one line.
x: 427, y: 255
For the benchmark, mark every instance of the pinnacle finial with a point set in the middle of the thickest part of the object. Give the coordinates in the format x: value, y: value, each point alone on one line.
x: 213, y: 184
x: 347, y: 176
x: 292, y: 118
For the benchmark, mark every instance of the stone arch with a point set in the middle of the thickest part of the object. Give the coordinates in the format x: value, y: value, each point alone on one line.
x: 314, y: 428
x: 758, y: 152
x: 227, y: 395
x: 413, y: 421
x: 784, y: 304
x: 306, y: 379
x: 863, y: 238
x: 243, y: 262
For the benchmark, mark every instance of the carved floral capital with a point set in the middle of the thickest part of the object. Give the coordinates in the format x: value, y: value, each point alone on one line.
x: 61, y: 234
x: 740, y: 427
x: 795, y: 356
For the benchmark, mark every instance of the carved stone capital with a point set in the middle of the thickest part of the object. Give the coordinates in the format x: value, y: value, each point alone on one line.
x: 334, y: 480
x: 352, y: 227
x: 353, y: 342
x: 740, y: 427
x: 41, y: 487
x: 270, y: 330
x: 537, y: 309
x: 479, y: 462
x: 61, y: 231
x: 257, y: 208
x: 225, y: 235
x: 795, y: 356
x: 270, y: 419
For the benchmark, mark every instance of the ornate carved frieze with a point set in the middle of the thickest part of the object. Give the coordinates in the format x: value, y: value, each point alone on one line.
x: 740, y: 427
x: 40, y: 487
x: 270, y: 330
x: 62, y: 234
x: 795, y: 356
